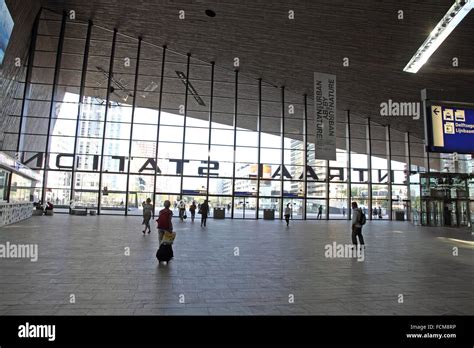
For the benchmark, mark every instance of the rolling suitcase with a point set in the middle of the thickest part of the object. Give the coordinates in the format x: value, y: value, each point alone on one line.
x: 165, y: 252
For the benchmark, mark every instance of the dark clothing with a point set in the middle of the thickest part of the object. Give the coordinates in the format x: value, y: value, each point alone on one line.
x: 192, y: 210
x: 287, y: 219
x: 204, y: 211
x: 357, y: 232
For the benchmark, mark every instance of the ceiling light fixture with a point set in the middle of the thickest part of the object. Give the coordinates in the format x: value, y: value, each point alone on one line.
x: 441, y: 31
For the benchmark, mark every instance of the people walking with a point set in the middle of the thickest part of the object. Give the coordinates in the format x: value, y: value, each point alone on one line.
x: 344, y: 211
x: 192, y: 210
x: 287, y: 214
x: 358, y: 219
x: 204, y: 211
x: 320, y: 212
x: 147, y: 212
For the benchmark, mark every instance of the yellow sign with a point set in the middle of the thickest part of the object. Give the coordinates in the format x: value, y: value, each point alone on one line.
x: 437, y: 122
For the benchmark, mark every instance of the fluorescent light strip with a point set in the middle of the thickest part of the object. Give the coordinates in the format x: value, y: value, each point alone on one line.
x: 442, y: 30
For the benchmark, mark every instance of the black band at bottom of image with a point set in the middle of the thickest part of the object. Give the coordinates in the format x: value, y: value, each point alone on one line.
x: 418, y: 330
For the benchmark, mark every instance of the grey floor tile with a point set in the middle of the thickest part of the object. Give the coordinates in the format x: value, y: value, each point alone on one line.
x: 86, y: 257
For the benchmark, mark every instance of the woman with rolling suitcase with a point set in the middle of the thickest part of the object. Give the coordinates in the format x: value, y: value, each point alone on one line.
x: 165, y: 233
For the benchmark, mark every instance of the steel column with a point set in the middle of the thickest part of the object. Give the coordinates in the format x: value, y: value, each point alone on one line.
x: 259, y: 159
x: 134, y: 104
x: 211, y: 105
x: 184, y: 125
x: 107, y: 101
x: 163, y: 61
x: 57, y: 68
x: 85, y: 64
x: 236, y: 95
x: 305, y: 160
x: 389, y: 167
x: 368, y: 136
x: 282, y: 129
x: 349, y: 165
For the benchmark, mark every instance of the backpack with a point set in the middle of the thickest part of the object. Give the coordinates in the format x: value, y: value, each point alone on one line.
x: 164, y: 219
x: 362, y: 218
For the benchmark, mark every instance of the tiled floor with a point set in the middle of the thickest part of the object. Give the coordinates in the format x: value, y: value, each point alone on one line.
x: 279, y: 270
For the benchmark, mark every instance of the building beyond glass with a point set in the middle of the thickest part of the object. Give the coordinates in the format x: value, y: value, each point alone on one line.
x: 108, y: 121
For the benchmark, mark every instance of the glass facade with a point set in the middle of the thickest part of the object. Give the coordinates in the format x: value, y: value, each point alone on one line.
x: 3, y: 184
x: 109, y: 121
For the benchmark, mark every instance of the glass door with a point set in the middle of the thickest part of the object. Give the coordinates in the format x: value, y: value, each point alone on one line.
x: 245, y: 208
x: 424, y: 213
x: 135, y: 202
x: 220, y: 203
x: 435, y: 212
x: 462, y: 213
x: 270, y: 204
x: 296, y: 206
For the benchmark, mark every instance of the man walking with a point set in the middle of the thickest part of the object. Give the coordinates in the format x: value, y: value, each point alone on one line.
x: 288, y: 214
x: 182, y: 210
x: 204, y: 211
x: 320, y: 212
x: 192, y: 210
x: 357, y: 225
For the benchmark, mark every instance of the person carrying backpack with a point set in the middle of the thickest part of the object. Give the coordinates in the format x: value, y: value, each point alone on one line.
x: 358, y: 220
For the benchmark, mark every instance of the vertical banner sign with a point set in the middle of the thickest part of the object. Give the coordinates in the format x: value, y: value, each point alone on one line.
x: 325, y: 116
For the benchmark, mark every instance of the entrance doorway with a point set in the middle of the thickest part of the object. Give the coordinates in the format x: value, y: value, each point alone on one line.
x: 445, y: 199
x: 245, y: 208
x: 448, y: 212
x: 296, y: 206
x: 432, y: 212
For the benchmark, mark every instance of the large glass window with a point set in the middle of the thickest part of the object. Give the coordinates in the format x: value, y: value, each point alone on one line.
x: 115, y: 138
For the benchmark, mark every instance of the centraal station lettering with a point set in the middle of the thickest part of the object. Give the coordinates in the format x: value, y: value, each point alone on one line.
x: 150, y: 166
